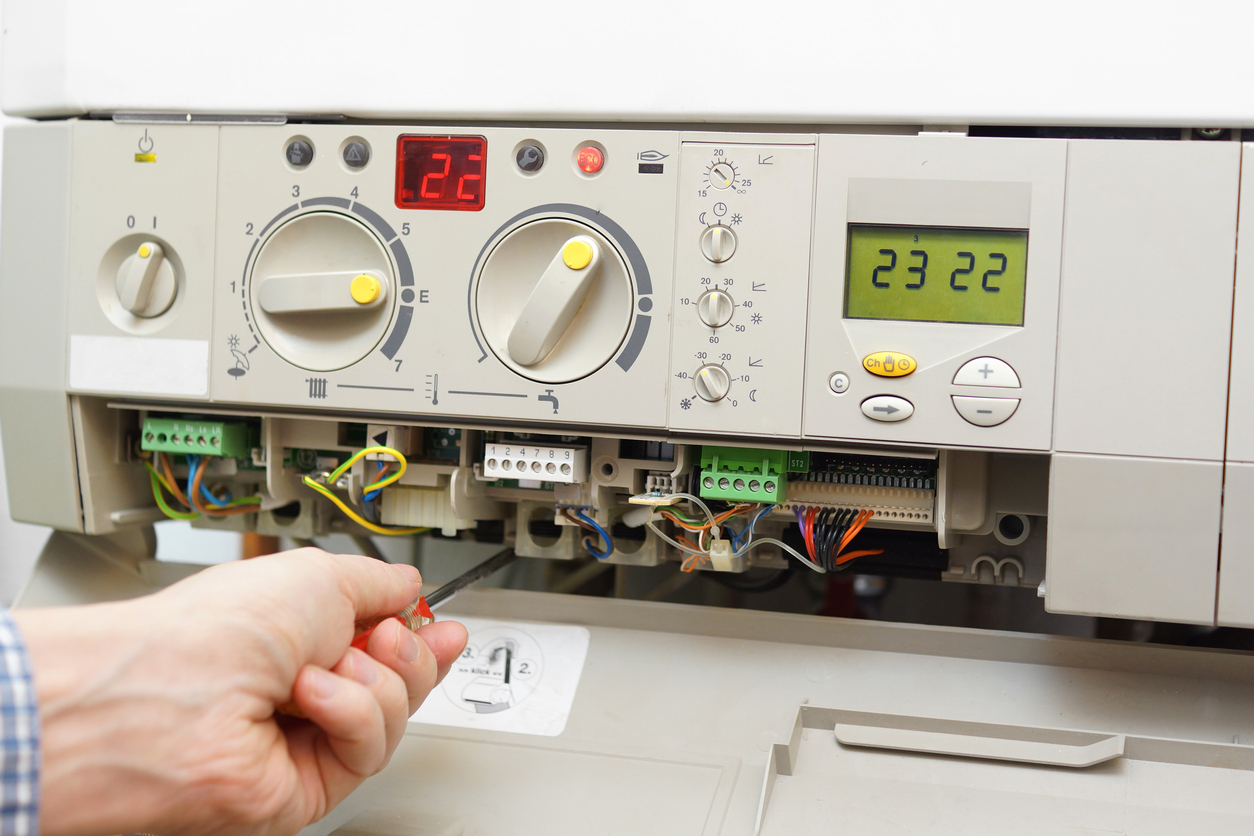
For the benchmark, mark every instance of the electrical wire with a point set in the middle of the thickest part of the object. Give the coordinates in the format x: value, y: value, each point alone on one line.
x: 370, y: 497
x: 245, y: 505
x: 587, y: 542
x: 357, y: 518
x: 382, y: 482
x: 157, y: 484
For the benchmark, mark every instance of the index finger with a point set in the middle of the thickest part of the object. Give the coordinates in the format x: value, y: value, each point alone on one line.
x: 375, y: 588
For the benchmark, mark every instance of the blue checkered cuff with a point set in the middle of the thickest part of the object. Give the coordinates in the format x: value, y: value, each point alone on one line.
x: 19, y: 735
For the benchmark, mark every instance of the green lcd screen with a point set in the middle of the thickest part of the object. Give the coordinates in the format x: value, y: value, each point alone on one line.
x: 936, y: 274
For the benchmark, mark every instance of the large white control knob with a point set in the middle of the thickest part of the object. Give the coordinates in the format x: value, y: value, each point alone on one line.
x: 322, y: 290
x: 554, y: 299
x: 715, y: 308
x: 718, y: 243
x: 712, y: 382
x: 146, y: 283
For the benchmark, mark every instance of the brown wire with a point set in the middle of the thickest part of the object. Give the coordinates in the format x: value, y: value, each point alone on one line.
x: 206, y: 510
x: 173, y: 482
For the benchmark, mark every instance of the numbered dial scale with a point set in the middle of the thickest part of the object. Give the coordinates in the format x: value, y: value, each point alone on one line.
x: 741, y: 269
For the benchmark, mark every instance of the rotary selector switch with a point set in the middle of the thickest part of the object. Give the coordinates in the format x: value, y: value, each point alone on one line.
x: 321, y: 290
x: 712, y: 382
x: 722, y: 175
x: 718, y: 243
x: 554, y: 300
x: 146, y: 283
x: 715, y: 307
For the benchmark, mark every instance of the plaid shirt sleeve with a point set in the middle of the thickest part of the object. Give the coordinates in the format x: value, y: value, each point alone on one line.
x: 19, y: 735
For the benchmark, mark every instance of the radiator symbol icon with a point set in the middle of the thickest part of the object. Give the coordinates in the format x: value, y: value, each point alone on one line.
x: 317, y: 387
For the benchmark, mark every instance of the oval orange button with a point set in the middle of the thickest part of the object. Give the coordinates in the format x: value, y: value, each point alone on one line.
x: 889, y: 363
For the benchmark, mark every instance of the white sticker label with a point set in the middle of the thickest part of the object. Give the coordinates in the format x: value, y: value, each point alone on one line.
x: 139, y: 364
x: 512, y: 677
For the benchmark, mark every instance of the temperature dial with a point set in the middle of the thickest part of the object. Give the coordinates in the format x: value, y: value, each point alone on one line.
x: 712, y: 382
x: 718, y: 243
x: 722, y: 175
x: 554, y: 299
x: 715, y: 308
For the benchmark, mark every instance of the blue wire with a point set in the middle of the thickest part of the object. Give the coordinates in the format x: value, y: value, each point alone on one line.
x: 370, y: 496
x: 748, y: 532
x: 193, y: 462
x: 587, y: 543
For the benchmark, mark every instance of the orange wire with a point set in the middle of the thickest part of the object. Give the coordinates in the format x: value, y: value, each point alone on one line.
x: 845, y: 558
x: 173, y: 482
x: 204, y: 509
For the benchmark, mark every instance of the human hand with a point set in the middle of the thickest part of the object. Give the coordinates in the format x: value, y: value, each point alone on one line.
x: 158, y: 714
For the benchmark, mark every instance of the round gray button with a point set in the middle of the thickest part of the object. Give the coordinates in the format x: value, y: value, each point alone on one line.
x: 530, y: 158
x: 839, y: 382
x: 299, y: 153
x: 356, y: 154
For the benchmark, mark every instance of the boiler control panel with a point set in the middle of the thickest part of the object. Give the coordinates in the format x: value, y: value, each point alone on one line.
x: 891, y: 289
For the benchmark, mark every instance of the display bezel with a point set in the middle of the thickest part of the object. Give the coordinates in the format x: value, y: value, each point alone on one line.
x: 939, y: 317
x: 466, y: 147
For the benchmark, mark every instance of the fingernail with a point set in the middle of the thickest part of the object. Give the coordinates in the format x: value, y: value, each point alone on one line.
x: 324, y: 684
x: 362, y: 669
x: 411, y: 573
x: 407, y: 646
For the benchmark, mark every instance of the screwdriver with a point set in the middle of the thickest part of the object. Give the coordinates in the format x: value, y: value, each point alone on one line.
x: 419, y: 613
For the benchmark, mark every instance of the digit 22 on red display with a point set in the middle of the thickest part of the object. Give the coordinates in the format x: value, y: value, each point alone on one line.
x: 440, y: 172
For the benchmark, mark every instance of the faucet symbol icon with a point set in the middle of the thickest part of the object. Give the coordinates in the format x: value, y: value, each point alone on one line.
x: 548, y: 396
x: 145, y: 143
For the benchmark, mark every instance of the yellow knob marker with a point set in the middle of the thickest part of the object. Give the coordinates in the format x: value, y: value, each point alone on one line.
x: 365, y: 289
x: 577, y: 254
x: 144, y: 251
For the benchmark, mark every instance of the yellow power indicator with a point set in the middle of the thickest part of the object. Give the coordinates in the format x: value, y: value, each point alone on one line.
x: 889, y: 364
x: 365, y: 289
x: 145, y: 158
x: 577, y: 254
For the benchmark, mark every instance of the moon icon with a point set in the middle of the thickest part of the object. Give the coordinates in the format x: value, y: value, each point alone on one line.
x: 702, y: 218
x: 753, y: 392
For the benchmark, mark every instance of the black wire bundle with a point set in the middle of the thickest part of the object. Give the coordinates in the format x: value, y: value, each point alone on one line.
x: 830, y: 527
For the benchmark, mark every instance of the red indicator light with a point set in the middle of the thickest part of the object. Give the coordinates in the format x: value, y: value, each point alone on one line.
x: 590, y: 159
x: 440, y: 172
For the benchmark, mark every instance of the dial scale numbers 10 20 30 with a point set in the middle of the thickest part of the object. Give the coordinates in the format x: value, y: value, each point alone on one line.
x: 742, y: 254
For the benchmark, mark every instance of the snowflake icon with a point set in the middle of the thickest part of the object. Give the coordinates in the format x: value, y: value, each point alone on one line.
x: 756, y: 318
x: 232, y: 341
x: 686, y: 403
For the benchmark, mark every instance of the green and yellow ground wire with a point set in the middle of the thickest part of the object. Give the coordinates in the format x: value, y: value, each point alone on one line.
x: 391, y: 478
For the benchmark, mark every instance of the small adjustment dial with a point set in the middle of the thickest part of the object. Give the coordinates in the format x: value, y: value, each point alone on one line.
x: 718, y: 243
x: 715, y: 307
x: 146, y: 283
x: 712, y: 382
x: 721, y: 174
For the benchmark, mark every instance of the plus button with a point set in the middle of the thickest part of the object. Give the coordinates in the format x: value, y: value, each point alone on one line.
x: 986, y: 371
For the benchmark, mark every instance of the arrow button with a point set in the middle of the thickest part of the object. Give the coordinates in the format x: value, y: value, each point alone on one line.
x: 889, y: 408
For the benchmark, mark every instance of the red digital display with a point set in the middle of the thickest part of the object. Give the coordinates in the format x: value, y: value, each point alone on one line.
x: 440, y: 172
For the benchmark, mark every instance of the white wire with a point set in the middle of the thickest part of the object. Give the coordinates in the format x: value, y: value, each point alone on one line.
x: 697, y: 501
x: 785, y: 547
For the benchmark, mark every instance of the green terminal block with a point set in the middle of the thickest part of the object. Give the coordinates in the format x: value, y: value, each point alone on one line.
x: 742, y: 474
x: 196, y: 438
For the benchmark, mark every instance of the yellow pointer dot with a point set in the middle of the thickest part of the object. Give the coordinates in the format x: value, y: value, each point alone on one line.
x: 144, y: 251
x: 365, y: 289
x: 577, y: 254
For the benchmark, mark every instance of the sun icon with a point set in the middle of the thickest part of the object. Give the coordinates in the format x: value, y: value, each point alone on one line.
x: 736, y: 219
x: 686, y: 403
x: 232, y: 341
x: 756, y: 318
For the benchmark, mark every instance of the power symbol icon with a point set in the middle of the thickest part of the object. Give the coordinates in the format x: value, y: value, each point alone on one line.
x: 145, y: 143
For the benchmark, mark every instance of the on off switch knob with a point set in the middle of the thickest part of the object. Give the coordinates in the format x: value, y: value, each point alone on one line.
x: 718, y: 243
x: 145, y: 283
x: 712, y: 382
x: 715, y: 308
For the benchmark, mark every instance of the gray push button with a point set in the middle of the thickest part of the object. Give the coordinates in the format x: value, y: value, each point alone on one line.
x: 887, y: 408
x: 299, y: 153
x: 987, y: 371
x: 985, y: 412
x: 530, y: 158
x: 356, y: 154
